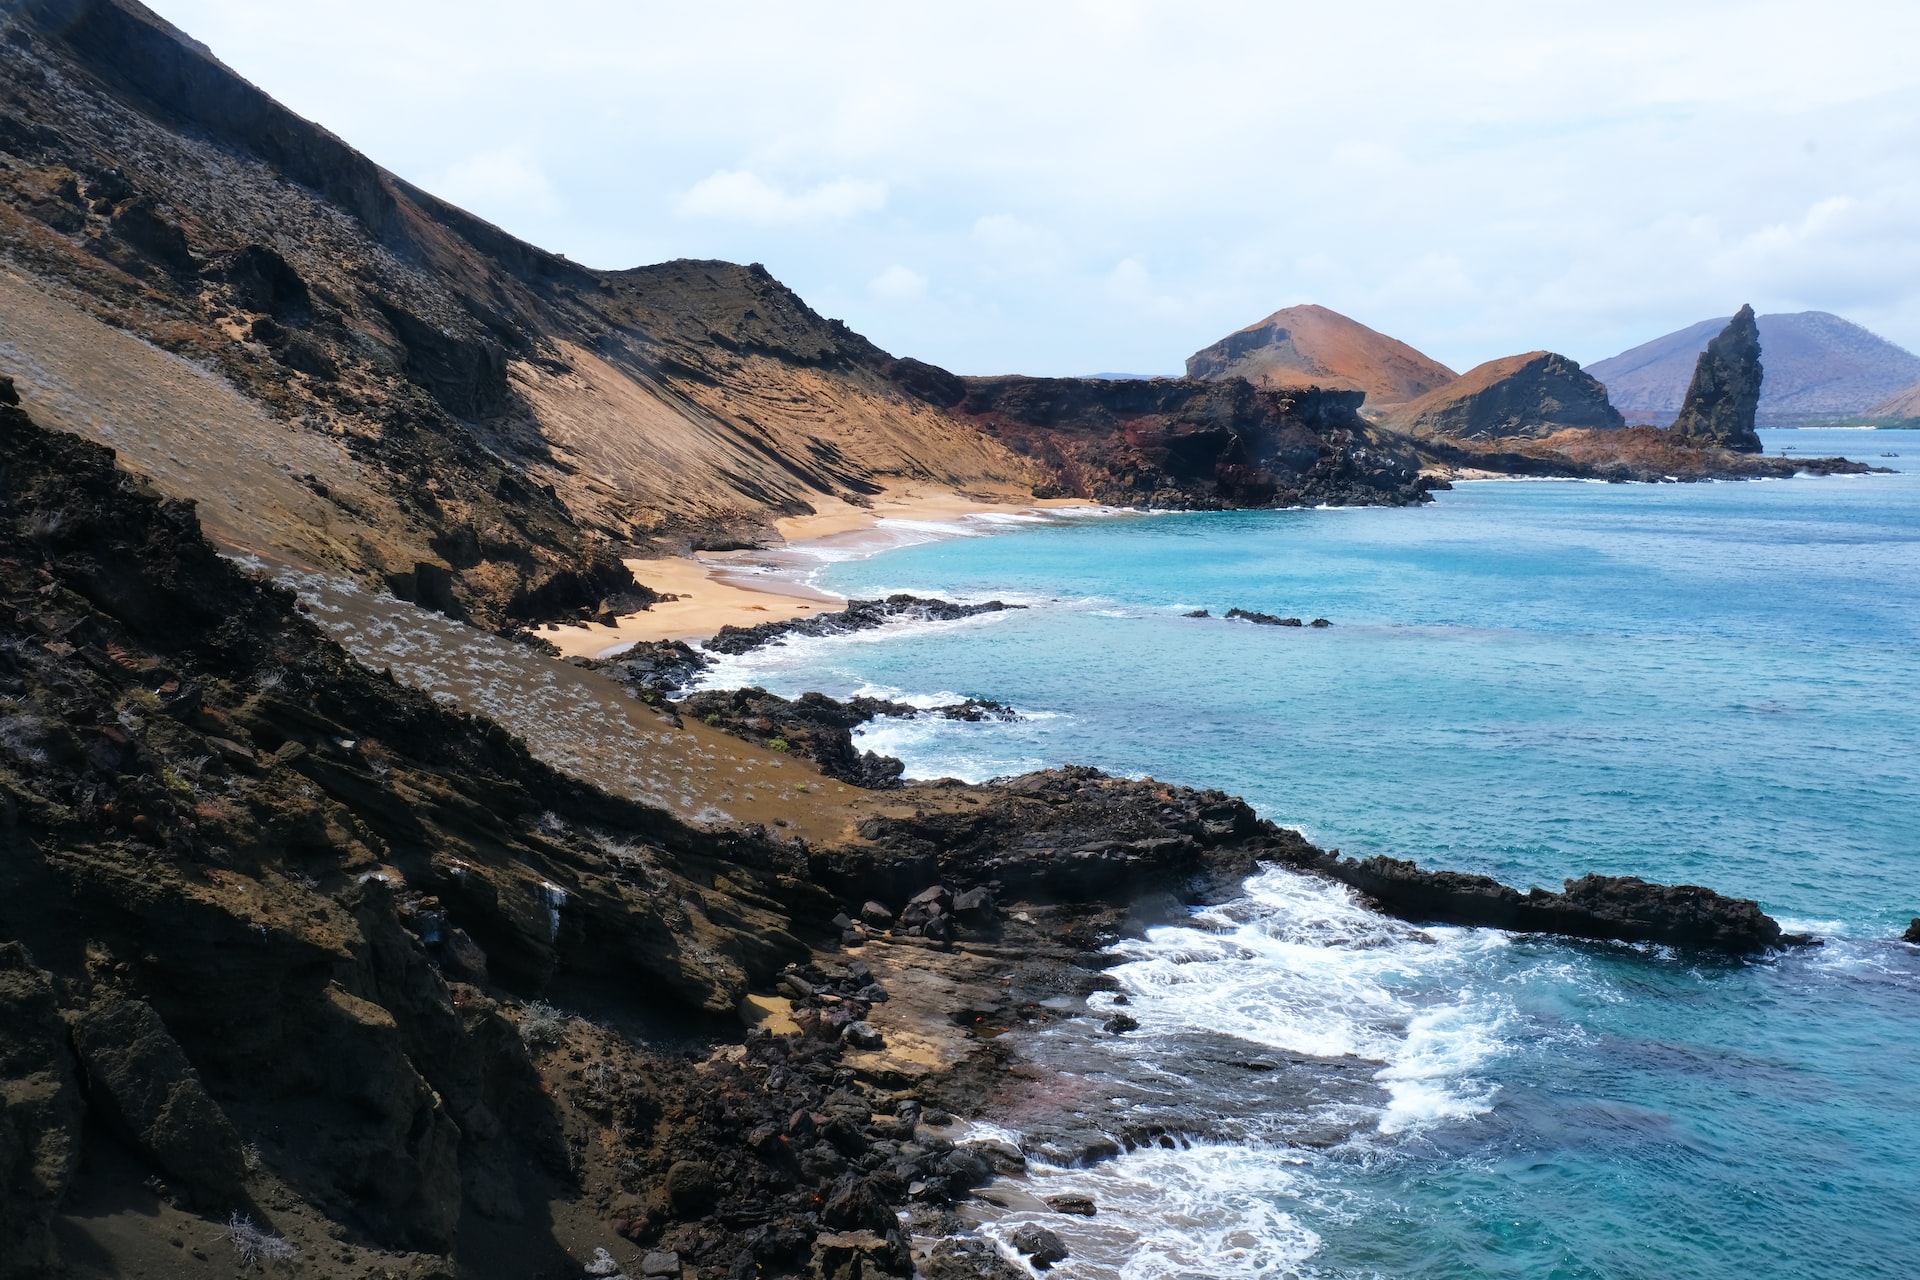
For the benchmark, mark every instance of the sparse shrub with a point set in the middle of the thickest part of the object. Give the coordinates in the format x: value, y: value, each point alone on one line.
x: 780, y: 744
x: 256, y: 1246
x: 542, y: 1025
x: 714, y: 720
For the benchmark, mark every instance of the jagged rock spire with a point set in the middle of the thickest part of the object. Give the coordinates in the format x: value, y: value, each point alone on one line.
x: 1725, y: 390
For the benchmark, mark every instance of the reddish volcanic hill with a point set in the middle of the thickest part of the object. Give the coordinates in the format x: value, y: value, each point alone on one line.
x: 1312, y: 346
x: 1905, y: 404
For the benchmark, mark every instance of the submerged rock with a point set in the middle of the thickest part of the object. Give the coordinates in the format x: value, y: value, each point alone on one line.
x: 859, y: 615
x: 1725, y: 392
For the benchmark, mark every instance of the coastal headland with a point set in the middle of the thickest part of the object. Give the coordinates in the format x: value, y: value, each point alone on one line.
x: 507, y: 998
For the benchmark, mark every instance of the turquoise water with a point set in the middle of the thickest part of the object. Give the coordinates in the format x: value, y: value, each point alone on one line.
x: 1704, y: 683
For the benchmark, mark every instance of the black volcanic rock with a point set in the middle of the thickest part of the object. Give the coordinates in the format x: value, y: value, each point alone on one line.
x: 859, y: 615
x: 1193, y: 444
x: 1725, y: 393
x: 1616, y: 908
x: 1535, y: 394
x: 1913, y: 932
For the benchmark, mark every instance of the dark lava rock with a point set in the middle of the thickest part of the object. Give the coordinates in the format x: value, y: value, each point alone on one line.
x: 1320, y: 622
x: 859, y: 615
x: 812, y: 725
x: 1725, y: 392
x: 863, y: 1035
x: 690, y: 1188
x: 1197, y: 613
x: 1078, y: 1205
x: 1913, y: 932
x: 1120, y: 1024
x: 1197, y: 444
x: 1042, y: 1247
x: 968, y: 1258
x: 661, y: 667
x: 1535, y: 394
x: 1615, y: 908
x: 1262, y: 619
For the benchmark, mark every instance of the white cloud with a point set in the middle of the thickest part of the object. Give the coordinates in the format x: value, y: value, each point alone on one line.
x: 738, y: 195
x: 1468, y: 177
x: 498, y: 184
x: 898, y: 284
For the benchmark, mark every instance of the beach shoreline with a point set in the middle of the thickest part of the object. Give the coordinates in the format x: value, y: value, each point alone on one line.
x: 715, y: 589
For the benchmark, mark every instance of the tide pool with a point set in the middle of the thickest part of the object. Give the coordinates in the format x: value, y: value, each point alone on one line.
x: 1713, y: 684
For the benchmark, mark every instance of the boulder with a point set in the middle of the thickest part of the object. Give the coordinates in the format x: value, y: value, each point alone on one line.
x: 141, y: 1084
x: 1078, y: 1205
x: 1913, y: 932
x: 40, y: 1117
x: 1725, y: 392
x: 690, y: 1188
x: 968, y: 1258
x: 1041, y: 1246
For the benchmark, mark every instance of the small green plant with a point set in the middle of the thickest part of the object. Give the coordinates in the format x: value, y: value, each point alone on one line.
x: 801, y: 786
x: 714, y: 720
x: 780, y: 744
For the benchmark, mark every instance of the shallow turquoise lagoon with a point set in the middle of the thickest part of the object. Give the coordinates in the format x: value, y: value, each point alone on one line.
x: 1706, y: 683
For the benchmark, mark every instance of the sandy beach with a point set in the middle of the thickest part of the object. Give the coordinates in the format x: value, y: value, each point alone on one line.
x: 741, y: 588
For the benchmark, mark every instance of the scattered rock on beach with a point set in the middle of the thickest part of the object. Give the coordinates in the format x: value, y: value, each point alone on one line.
x: 1078, y: 1205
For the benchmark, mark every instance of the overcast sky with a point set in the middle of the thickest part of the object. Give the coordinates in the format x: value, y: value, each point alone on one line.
x: 1072, y: 188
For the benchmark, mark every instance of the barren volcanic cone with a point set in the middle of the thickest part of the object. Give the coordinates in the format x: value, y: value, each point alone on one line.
x: 1312, y: 346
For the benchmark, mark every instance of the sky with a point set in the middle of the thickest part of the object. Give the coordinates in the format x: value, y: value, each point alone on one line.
x: 1070, y: 188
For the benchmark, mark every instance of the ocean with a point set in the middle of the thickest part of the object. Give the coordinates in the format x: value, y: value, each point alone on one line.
x: 1712, y: 683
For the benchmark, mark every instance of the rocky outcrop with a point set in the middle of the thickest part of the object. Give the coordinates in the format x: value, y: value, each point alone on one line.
x: 1535, y: 394
x: 1725, y: 392
x: 1616, y: 908
x: 1186, y: 443
x: 859, y: 615
x: 1310, y: 346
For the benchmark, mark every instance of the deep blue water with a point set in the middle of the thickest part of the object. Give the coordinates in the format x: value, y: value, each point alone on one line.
x: 1714, y: 684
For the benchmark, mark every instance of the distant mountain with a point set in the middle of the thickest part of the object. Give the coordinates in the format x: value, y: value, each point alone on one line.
x: 1312, y: 346
x: 1126, y: 377
x: 1905, y: 404
x: 1818, y: 366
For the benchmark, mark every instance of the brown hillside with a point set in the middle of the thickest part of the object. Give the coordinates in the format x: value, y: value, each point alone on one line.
x: 1904, y: 405
x: 351, y: 374
x: 1312, y: 346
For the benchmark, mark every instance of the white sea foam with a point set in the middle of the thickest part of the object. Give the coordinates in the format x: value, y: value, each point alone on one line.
x: 1217, y: 1211
x: 1300, y: 965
